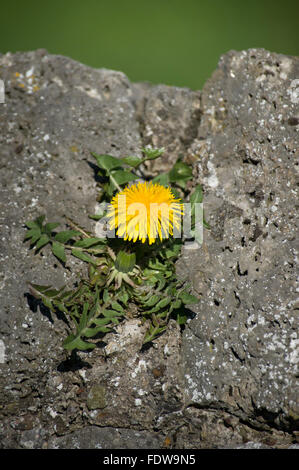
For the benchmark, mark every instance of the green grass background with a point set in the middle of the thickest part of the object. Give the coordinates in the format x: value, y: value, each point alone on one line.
x: 176, y: 42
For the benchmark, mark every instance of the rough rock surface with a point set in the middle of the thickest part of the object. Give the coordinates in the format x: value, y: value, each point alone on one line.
x: 229, y: 379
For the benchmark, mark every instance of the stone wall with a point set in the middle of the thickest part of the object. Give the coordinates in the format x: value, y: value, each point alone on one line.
x: 227, y: 380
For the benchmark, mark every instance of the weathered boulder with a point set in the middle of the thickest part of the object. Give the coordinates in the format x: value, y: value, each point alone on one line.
x: 229, y: 378
x: 241, y: 350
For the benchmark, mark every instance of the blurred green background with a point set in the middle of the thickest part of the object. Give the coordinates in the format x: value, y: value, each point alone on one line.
x: 176, y: 42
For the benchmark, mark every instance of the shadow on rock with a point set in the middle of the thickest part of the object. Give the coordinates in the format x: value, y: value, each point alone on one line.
x: 34, y: 303
x: 73, y: 363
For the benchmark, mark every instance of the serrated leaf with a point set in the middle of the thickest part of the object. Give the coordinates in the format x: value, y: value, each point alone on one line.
x: 176, y: 304
x: 88, y: 242
x: 58, y: 251
x: 157, y: 265
x: 31, y: 224
x: 123, y: 176
x: 44, y: 239
x: 152, y: 153
x: 163, y: 303
x: 33, y: 233
x: 34, y: 239
x: 111, y: 313
x: 48, y: 228
x: 83, y: 256
x: 66, y: 235
x: 124, y: 297
x: 107, y: 162
x: 83, y: 319
x: 90, y: 332
x: 132, y: 160
x: 106, y: 296
x: 102, y: 321
x: 75, y: 342
x: 116, y: 306
x: 152, y: 301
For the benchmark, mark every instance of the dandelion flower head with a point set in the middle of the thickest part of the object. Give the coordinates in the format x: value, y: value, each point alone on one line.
x: 145, y: 211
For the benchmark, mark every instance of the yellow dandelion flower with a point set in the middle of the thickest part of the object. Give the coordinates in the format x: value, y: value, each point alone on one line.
x: 145, y: 211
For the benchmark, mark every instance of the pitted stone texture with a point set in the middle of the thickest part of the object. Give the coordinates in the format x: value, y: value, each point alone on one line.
x: 169, y: 117
x: 242, y: 344
x: 93, y: 437
x: 241, y: 350
x: 56, y: 112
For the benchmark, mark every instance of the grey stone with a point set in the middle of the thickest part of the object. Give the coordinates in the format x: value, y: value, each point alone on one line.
x: 93, y: 437
x: 241, y: 350
x: 229, y: 380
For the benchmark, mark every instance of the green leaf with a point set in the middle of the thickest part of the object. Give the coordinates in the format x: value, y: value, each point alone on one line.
x: 34, y: 238
x: 188, y: 298
x: 163, y: 303
x: 161, y: 284
x: 51, y: 293
x: 181, y: 319
x: 90, y: 332
x: 152, y: 301
x: 83, y: 256
x: 107, y: 162
x: 44, y: 239
x: 152, y: 153
x: 36, y: 224
x: 31, y: 224
x: 162, y: 179
x: 66, y: 235
x: 75, y: 342
x: 106, y: 296
x: 60, y: 306
x: 83, y: 319
x: 38, y: 288
x: 96, y: 216
x: 39, y: 220
x: 48, y: 228
x: 102, y: 321
x: 124, y: 297
x: 176, y: 304
x: 180, y: 172
x: 132, y: 160
x: 47, y: 302
x: 116, y: 306
x: 111, y: 313
x: 58, y: 251
x: 88, y: 242
x: 34, y: 233
x: 123, y: 176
